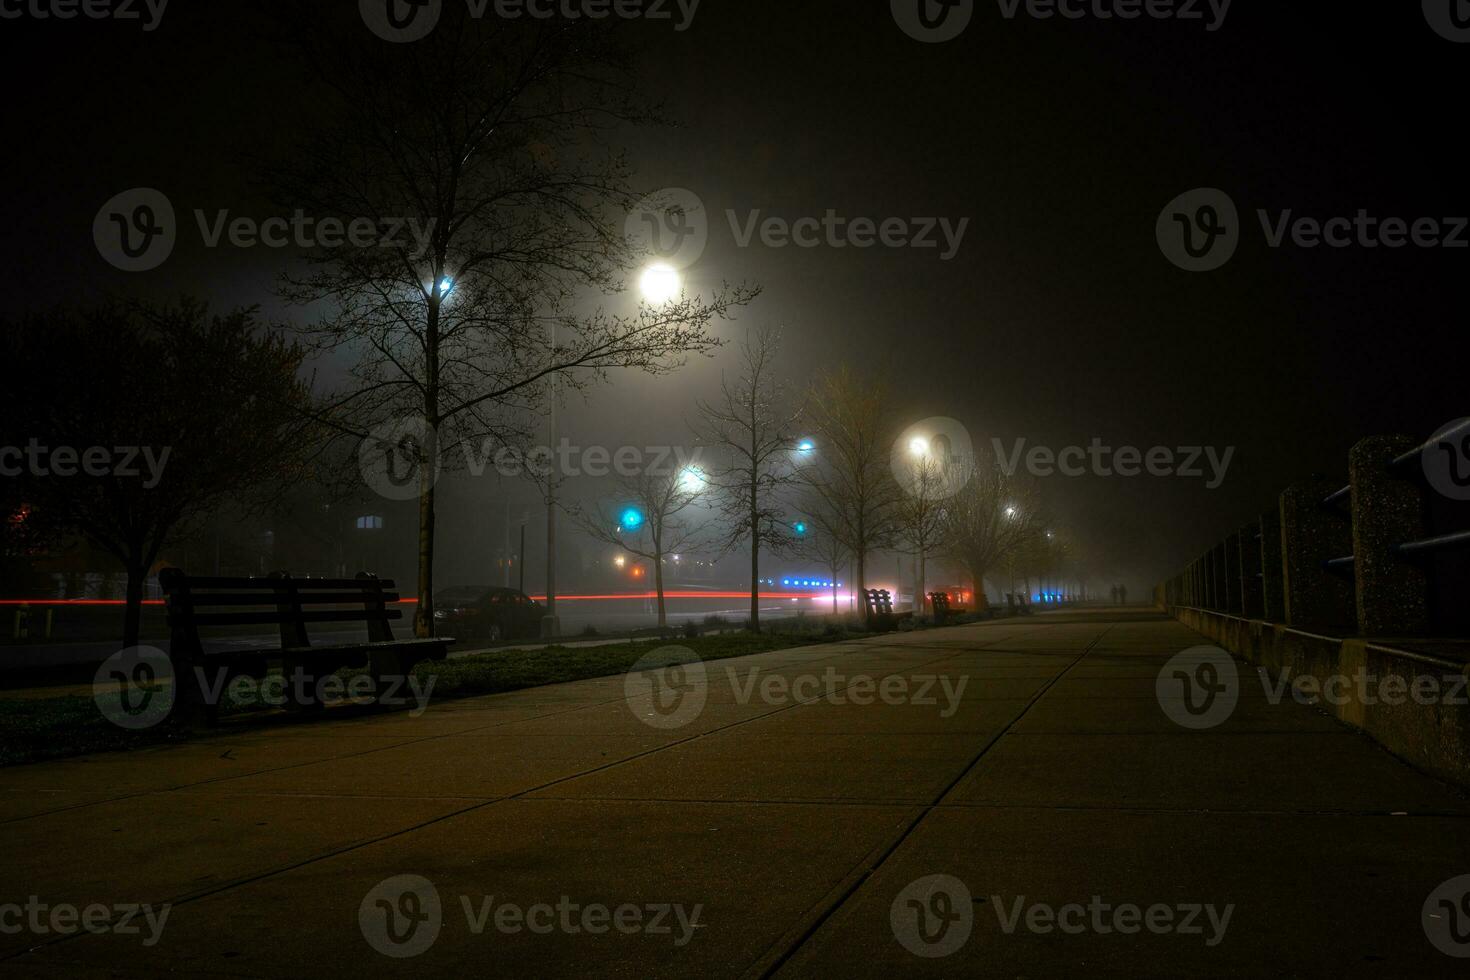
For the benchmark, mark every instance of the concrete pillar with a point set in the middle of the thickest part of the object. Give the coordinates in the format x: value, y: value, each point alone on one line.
x: 1230, y: 563
x: 1273, y: 600
x: 1250, y: 572
x: 1392, y: 594
x: 1310, y: 535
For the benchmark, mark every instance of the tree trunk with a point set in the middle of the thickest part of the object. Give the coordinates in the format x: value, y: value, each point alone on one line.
x: 921, y: 594
x: 755, y: 571
x: 658, y: 584
x: 137, y: 572
x: 423, y: 617
x: 862, y: 582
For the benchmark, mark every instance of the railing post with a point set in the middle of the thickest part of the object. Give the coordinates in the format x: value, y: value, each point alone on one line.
x: 1250, y: 572
x: 1273, y: 599
x: 1388, y: 510
x: 1222, y: 578
x: 1311, y: 534
x: 1230, y: 558
x: 1209, y: 561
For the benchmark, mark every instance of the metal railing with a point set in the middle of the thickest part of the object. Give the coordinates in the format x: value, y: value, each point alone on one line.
x: 1386, y: 554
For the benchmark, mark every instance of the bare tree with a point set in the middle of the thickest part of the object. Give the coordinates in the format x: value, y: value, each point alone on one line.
x: 992, y: 518
x: 920, y: 522
x: 164, y: 414
x: 822, y: 543
x: 751, y: 426
x: 851, y: 475
x: 659, y: 500
x: 476, y: 162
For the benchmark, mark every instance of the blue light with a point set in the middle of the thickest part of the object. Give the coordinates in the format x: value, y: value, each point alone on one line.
x: 799, y: 527
x: 632, y: 519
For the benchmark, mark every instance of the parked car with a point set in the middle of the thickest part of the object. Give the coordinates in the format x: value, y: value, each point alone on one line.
x: 487, y: 613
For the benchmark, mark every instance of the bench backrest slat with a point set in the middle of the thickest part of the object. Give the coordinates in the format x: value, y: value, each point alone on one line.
x: 288, y: 603
x: 360, y: 597
x: 200, y: 582
x: 880, y: 602
x: 278, y: 617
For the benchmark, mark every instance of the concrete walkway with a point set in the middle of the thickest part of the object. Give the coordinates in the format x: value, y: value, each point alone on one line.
x: 1014, y: 796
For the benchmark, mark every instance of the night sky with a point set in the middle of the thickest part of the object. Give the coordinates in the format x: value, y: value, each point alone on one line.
x: 1060, y: 141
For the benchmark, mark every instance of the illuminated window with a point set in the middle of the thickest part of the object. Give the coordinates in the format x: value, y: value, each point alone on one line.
x: 371, y: 522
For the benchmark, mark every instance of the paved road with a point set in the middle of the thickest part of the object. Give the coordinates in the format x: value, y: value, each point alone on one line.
x: 792, y: 827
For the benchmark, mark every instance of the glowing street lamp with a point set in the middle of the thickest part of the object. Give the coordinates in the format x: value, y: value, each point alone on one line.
x: 919, y: 446
x: 660, y: 284
x: 692, y: 480
x: 806, y: 447
x: 632, y: 519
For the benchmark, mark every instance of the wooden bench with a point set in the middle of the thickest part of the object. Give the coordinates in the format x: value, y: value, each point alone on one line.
x: 942, y: 609
x: 881, y: 617
x: 291, y: 604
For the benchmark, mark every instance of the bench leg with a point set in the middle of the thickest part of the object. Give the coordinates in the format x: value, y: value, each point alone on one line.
x: 301, y: 689
x: 390, y: 674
